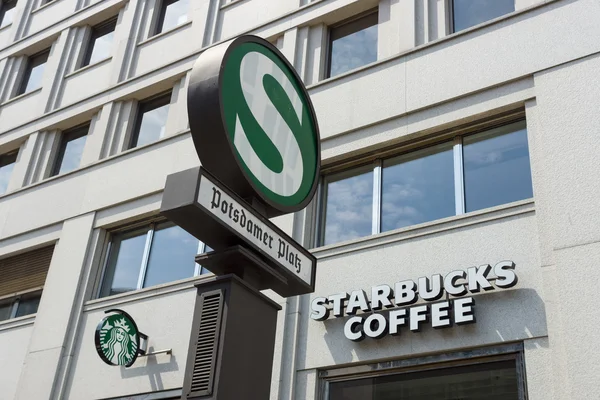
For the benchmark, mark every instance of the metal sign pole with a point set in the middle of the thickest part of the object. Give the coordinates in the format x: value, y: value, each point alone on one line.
x: 256, y: 134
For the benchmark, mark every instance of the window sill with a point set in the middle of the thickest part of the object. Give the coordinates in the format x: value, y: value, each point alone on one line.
x: 88, y: 67
x: 44, y: 6
x: 154, y: 291
x: 17, y: 322
x: 165, y: 33
x: 21, y: 96
x: 5, y: 27
x: 428, y: 228
x: 231, y: 4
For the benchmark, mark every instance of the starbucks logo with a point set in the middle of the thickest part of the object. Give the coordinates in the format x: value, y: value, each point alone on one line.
x: 117, y: 339
x: 262, y: 138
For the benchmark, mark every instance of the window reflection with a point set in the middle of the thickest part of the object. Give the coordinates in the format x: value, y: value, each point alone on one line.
x: 7, y: 163
x: 152, y: 121
x: 101, y: 42
x: 496, y: 167
x: 70, y: 150
x: 171, y: 253
x: 7, y: 13
x: 28, y: 305
x: 171, y: 256
x: 349, y: 208
x: 468, y: 13
x: 175, y: 14
x: 127, y: 256
x: 34, y: 72
x: 353, y: 45
x: 418, y: 187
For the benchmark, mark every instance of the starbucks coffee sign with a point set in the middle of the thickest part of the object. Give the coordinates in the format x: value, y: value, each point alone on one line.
x: 439, y: 301
x: 253, y: 124
x: 256, y: 134
x: 117, y: 339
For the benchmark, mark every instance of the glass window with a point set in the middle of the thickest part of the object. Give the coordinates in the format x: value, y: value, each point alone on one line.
x: 418, y: 187
x: 100, y: 43
x: 6, y: 309
x: 496, y: 167
x: 28, y: 305
x: 468, y: 13
x: 488, y: 381
x: 7, y: 13
x: 70, y: 150
x: 7, y: 163
x: 34, y: 72
x: 172, y: 14
x: 151, y: 121
x: 352, y: 45
x: 148, y: 256
x: 171, y: 255
x: 348, y: 207
x: 423, y: 185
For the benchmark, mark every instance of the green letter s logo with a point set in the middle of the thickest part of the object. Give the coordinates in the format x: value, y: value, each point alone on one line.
x: 256, y: 73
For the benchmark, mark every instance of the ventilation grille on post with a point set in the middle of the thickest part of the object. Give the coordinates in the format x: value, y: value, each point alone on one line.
x: 207, y: 344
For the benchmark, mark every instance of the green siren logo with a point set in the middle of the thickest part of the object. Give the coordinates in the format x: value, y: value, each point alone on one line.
x: 117, y: 339
x: 267, y: 118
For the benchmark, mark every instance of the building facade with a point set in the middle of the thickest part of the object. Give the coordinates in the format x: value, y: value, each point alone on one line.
x: 447, y: 128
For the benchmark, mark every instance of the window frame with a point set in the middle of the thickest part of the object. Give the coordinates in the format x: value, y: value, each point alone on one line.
x: 112, y: 250
x: 513, y: 351
x: 4, y: 9
x: 160, y: 17
x: 98, y: 31
x: 32, y: 62
x: 376, y: 162
x: 149, y: 104
x: 66, y: 137
x: 347, y: 27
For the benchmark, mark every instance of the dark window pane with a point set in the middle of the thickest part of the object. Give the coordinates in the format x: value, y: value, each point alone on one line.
x: 349, y: 208
x: 468, y: 13
x: 34, y: 73
x: 174, y: 14
x: 7, y: 13
x: 417, y: 188
x: 7, y: 163
x: 171, y: 255
x: 353, y: 45
x: 490, y: 381
x: 28, y: 305
x: 125, y: 262
x: 5, y: 310
x: 152, y: 122
x: 497, y: 167
x: 71, y: 150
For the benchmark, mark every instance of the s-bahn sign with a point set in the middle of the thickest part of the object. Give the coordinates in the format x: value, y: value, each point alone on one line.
x: 256, y: 134
x: 253, y: 124
x: 400, y: 299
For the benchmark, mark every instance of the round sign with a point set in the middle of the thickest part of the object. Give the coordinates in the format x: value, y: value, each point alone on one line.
x: 117, y: 339
x: 253, y: 124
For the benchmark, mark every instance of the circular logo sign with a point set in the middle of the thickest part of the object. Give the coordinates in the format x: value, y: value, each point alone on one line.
x: 117, y: 339
x: 253, y: 124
